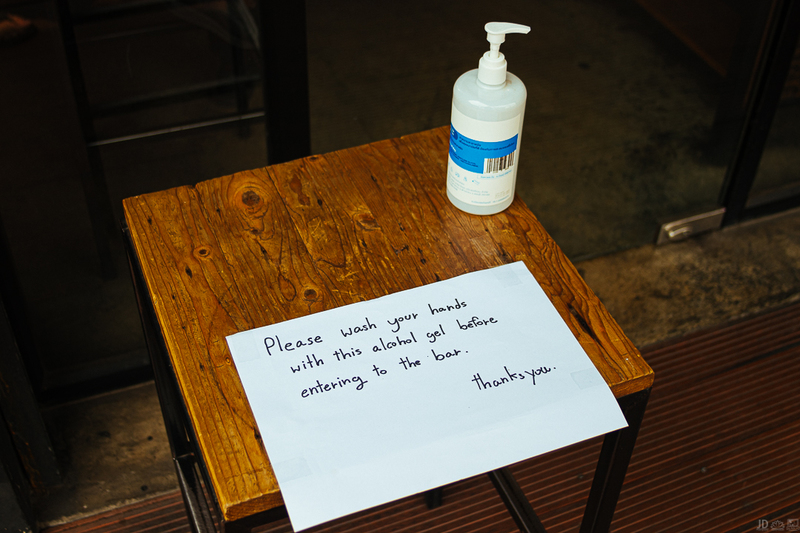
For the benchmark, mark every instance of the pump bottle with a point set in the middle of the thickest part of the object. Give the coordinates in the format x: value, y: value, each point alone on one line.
x: 485, y: 130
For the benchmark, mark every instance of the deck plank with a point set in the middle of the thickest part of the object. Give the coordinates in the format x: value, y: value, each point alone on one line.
x: 732, y: 461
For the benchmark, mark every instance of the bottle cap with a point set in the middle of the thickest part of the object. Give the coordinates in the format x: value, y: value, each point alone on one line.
x: 492, y: 66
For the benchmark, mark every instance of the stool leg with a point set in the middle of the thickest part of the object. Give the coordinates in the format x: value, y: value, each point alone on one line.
x: 516, y: 501
x: 197, y: 509
x: 613, y: 464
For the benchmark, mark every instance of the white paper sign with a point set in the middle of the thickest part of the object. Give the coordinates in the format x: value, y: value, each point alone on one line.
x: 371, y: 402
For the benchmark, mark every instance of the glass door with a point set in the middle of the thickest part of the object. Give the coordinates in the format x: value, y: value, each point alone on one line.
x: 640, y: 113
x: 765, y: 175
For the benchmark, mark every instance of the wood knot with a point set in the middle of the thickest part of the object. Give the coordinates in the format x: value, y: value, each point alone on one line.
x: 310, y: 295
x: 201, y: 252
x: 297, y: 187
x: 250, y: 198
x: 367, y: 221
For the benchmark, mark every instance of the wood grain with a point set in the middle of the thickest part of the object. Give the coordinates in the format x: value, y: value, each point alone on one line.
x: 268, y: 245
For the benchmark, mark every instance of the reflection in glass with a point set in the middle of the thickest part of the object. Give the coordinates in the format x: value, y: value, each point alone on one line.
x: 778, y: 175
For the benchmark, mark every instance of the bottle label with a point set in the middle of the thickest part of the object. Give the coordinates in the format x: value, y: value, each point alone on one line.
x: 482, y: 162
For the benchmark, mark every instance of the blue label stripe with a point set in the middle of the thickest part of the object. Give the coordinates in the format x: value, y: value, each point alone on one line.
x: 470, y: 154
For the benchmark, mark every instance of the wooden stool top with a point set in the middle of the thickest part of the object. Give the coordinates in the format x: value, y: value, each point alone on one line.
x: 272, y: 244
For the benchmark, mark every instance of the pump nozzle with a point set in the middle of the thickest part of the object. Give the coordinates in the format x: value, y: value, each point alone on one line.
x: 492, y: 66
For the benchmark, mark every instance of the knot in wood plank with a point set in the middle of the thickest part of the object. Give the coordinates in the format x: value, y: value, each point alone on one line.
x: 202, y: 252
x: 297, y: 188
x: 250, y: 198
x: 367, y: 221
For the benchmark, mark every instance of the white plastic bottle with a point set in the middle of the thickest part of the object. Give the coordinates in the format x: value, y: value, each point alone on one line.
x: 485, y: 130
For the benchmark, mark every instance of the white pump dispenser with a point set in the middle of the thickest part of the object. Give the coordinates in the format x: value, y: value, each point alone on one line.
x: 485, y: 130
x: 492, y: 66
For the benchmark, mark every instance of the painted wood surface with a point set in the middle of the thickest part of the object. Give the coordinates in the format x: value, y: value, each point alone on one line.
x: 271, y: 244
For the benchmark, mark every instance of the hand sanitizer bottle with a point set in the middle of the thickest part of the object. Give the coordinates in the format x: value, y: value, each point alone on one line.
x: 485, y: 130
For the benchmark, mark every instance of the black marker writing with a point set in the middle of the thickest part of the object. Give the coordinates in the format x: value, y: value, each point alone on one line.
x: 395, y: 323
x: 444, y: 308
x: 510, y: 377
x: 490, y: 383
x: 311, y: 361
x: 389, y: 344
x: 341, y: 354
x: 340, y: 383
x: 407, y: 363
x: 433, y: 335
x: 271, y: 342
x: 445, y: 355
x: 538, y: 372
x: 358, y: 329
x: 475, y: 322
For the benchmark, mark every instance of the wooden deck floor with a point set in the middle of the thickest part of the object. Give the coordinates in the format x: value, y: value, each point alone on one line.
x: 719, y: 450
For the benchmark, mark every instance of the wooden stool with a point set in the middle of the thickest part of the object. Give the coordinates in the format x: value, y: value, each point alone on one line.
x: 272, y: 244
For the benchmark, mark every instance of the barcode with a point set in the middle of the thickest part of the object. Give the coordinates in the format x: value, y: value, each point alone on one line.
x: 498, y: 163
